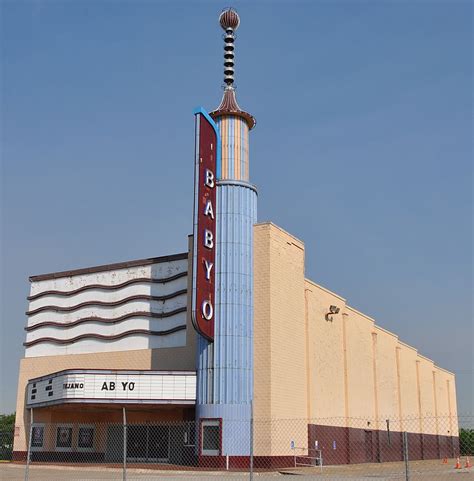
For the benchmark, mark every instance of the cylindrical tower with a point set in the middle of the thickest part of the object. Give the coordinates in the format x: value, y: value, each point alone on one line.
x: 225, y: 366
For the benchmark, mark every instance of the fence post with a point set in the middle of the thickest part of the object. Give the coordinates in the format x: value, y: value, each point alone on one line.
x: 405, y: 455
x: 124, y: 476
x: 28, y: 454
x: 251, y: 440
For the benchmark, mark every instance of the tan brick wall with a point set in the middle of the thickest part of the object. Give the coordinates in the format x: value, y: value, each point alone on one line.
x: 345, y: 372
x: 325, y: 346
x: 386, y: 385
x: 262, y: 347
x: 446, y: 424
x: 280, y: 342
x: 360, y: 366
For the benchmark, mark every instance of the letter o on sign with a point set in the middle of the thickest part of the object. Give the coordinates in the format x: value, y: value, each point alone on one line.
x: 207, y: 310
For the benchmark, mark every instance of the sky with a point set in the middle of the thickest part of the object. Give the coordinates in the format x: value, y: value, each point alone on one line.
x: 363, y: 148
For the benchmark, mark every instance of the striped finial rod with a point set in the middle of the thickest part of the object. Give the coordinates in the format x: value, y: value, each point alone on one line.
x: 229, y: 21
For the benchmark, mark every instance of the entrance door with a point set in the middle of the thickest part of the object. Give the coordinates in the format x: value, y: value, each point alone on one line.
x: 148, y: 443
x: 137, y: 442
x: 369, y: 452
x: 158, y: 443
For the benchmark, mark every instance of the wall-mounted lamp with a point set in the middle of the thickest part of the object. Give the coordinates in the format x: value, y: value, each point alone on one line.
x: 332, y: 310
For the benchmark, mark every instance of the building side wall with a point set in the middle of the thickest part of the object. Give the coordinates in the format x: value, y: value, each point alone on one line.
x: 444, y: 419
x: 287, y: 333
x: 262, y: 402
x: 279, y: 336
x: 408, y: 384
x: 427, y: 395
x: 345, y: 377
x: 360, y: 367
x: 325, y: 370
x: 386, y: 379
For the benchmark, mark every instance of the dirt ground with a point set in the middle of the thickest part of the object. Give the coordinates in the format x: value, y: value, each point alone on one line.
x: 418, y: 471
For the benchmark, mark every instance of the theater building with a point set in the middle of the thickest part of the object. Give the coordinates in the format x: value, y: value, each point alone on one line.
x: 190, y: 346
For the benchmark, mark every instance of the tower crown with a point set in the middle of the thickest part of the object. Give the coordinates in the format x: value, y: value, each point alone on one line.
x: 229, y: 20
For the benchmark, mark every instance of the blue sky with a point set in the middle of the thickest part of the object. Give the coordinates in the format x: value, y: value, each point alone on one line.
x: 363, y: 148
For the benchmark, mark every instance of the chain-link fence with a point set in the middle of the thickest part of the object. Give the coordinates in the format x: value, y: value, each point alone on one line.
x: 6, y: 445
x: 429, y: 448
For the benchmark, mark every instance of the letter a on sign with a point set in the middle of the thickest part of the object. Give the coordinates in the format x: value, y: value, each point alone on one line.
x: 204, y: 252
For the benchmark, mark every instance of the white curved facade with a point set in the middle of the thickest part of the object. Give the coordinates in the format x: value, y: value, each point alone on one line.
x: 117, y: 309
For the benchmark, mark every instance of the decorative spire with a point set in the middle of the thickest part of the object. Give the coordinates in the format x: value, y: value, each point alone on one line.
x: 230, y: 21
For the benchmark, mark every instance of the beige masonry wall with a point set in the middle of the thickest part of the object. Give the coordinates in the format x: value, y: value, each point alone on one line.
x: 342, y: 372
x: 386, y: 377
x: 360, y: 367
x: 427, y: 394
x: 280, y: 385
x: 326, y: 341
x: 408, y: 382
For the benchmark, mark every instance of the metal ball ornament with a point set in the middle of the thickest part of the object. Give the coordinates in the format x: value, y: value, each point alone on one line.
x: 229, y: 19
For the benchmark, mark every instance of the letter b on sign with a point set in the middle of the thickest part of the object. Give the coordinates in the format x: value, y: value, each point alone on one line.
x: 208, y: 239
x: 209, y: 178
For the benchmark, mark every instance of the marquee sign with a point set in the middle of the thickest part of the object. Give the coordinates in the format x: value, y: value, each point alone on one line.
x: 103, y: 386
x: 205, y: 178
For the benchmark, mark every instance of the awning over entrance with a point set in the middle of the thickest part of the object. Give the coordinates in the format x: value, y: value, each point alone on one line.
x: 112, y: 386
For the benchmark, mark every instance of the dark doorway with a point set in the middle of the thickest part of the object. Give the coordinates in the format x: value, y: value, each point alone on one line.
x: 148, y: 443
x: 158, y: 443
x: 369, y: 448
x: 137, y: 442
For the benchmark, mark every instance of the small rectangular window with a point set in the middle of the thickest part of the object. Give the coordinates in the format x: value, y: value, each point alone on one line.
x: 37, y: 436
x: 211, y: 437
x: 85, y: 438
x: 64, y: 438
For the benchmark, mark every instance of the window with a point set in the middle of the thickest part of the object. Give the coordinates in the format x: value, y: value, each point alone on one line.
x: 211, y: 437
x: 85, y: 437
x: 64, y: 438
x: 37, y: 437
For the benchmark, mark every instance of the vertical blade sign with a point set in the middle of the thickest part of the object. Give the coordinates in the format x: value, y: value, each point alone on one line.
x: 204, y: 228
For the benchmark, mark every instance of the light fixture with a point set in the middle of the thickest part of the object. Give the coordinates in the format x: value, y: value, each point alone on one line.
x: 332, y: 310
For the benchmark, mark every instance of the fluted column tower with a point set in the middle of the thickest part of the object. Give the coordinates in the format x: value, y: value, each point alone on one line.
x: 225, y: 367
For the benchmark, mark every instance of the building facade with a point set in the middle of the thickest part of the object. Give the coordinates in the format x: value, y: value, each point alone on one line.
x: 204, y: 351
